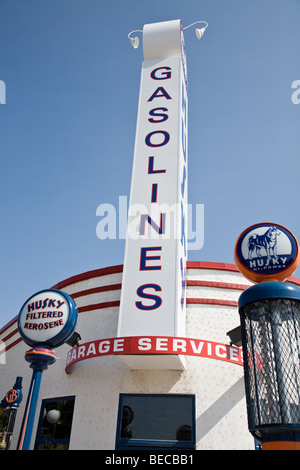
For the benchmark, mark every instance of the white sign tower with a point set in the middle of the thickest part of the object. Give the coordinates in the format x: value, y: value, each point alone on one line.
x: 153, y: 286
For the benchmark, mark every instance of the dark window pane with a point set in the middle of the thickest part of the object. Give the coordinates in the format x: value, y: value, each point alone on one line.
x: 55, y: 423
x: 157, y: 417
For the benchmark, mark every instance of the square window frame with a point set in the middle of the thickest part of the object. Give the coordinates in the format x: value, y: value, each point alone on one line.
x: 152, y: 444
x: 40, y: 421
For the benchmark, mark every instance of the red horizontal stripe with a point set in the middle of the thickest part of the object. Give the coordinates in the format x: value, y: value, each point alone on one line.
x: 11, y: 345
x: 211, y: 265
x: 119, y: 269
x: 87, y: 308
x: 219, y: 285
x: 45, y: 352
x: 228, y: 303
x: 10, y: 334
x: 96, y: 290
x: 189, y: 300
x: 190, y: 283
x: 89, y: 275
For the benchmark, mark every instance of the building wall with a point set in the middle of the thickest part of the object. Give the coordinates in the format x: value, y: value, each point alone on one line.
x: 212, y: 293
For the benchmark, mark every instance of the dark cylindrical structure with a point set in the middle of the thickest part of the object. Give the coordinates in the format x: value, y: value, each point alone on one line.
x: 270, y: 324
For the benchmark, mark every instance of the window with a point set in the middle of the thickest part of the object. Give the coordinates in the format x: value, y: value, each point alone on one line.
x: 55, y: 424
x: 156, y: 421
x: 4, y: 418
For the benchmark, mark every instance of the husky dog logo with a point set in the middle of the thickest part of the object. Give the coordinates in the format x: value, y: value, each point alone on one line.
x: 266, y: 252
x: 268, y: 241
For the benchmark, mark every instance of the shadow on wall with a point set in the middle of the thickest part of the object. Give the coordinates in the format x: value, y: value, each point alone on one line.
x: 219, y: 408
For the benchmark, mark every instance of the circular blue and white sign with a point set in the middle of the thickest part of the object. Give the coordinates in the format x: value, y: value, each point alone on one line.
x: 267, y: 252
x: 47, y: 318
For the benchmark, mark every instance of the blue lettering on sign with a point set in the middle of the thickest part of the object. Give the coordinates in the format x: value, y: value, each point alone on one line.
x: 144, y: 258
x: 166, y: 138
x: 164, y: 75
x: 160, y: 229
x: 150, y: 257
x: 144, y: 295
x: 41, y: 304
x: 160, y: 92
x: 151, y: 170
x: 163, y: 116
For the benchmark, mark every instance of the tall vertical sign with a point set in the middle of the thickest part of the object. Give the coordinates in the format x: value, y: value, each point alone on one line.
x: 153, y: 286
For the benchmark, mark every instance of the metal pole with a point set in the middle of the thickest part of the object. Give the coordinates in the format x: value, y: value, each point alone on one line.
x: 29, y: 414
x: 39, y: 359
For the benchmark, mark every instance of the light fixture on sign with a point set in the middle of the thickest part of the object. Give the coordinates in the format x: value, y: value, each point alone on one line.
x: 198, y: 31
x: 134, y: 41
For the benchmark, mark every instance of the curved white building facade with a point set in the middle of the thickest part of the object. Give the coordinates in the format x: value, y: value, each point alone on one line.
x: 98, y: 384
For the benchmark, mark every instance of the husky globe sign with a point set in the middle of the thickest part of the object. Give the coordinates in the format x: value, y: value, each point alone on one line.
x: 47, y: 318
x: 267, y: 252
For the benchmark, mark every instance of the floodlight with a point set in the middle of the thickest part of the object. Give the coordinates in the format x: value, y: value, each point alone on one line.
x: 199, y: 31
x: 134, y: 41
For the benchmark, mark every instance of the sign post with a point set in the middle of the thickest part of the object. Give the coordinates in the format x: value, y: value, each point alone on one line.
x: 46, y: 320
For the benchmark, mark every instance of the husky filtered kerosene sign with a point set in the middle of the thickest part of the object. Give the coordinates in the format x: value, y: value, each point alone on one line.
x: 267, y: 252
x: 47, y: 318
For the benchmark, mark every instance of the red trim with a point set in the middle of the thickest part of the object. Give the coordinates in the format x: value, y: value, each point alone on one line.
x: 189, y: 300
x: 96, y: 290
x: 87, y: 308
x: 11, y: 345
x: 8, y: 324
x: 10, y: 334
x: 228, y: 303
x: 211, y: 265
x: 41, y: 351
x: 219, y: 285
x: 89, y: 275
x: 119, y: 269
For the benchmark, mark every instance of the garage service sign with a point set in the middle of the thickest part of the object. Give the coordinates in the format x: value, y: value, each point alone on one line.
x: 267, y: 252
x: 47, y: 318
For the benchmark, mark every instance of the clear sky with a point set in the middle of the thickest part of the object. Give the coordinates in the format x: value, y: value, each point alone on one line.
x: 67, y: 127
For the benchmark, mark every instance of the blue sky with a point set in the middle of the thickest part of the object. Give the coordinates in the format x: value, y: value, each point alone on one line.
x: 68, y: 126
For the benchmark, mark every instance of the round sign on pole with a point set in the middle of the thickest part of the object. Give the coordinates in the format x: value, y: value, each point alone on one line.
x: 267, y: 252
x: 47, y: 318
